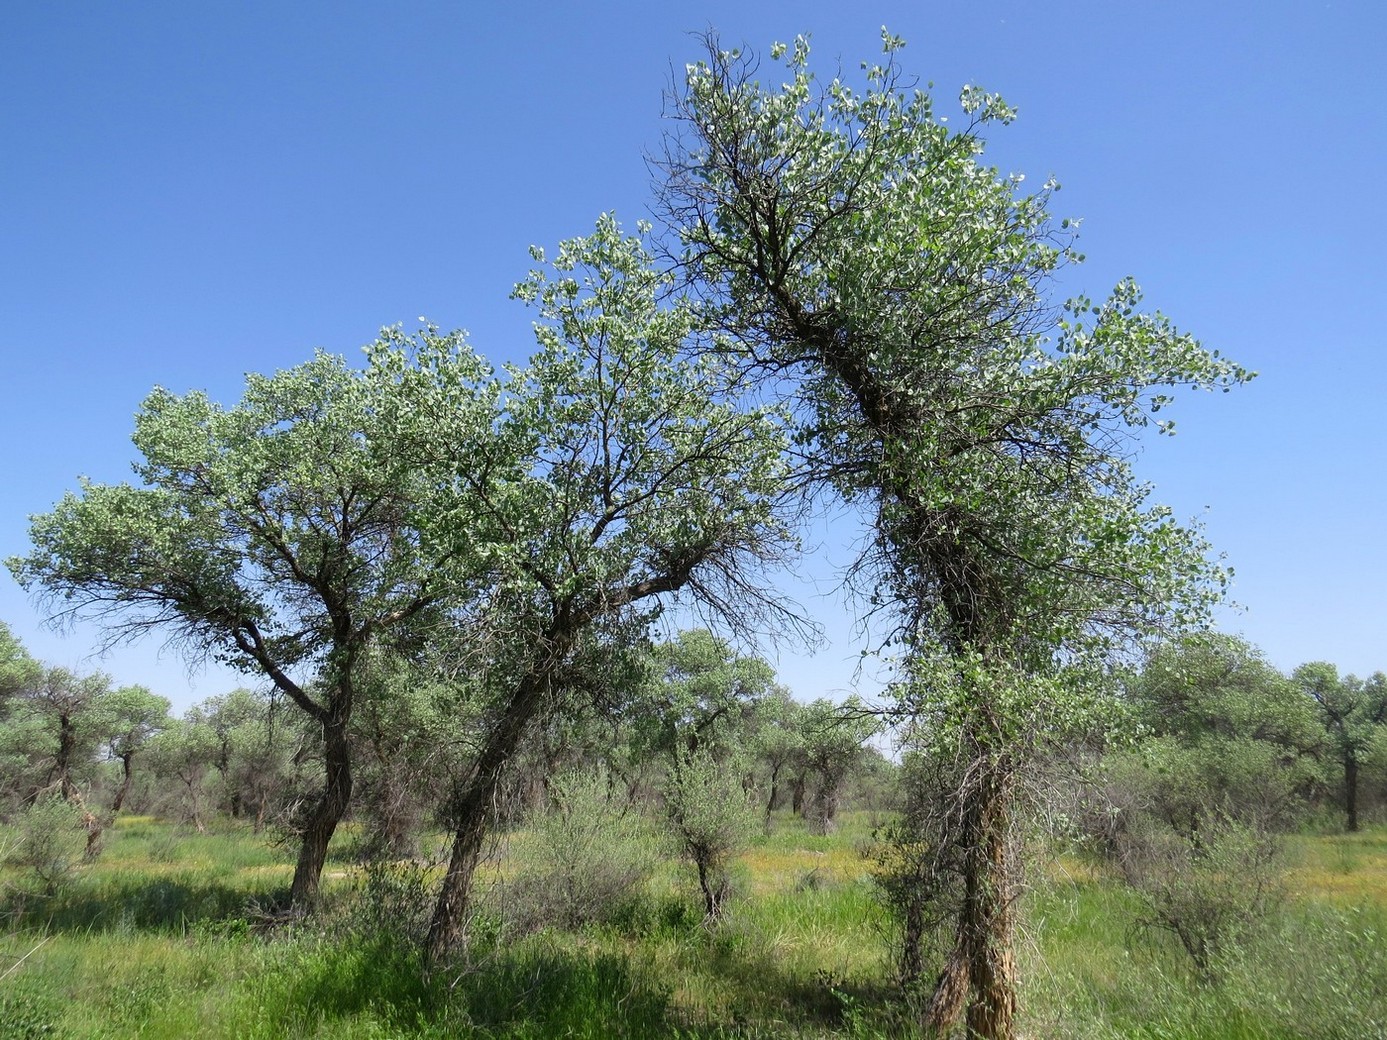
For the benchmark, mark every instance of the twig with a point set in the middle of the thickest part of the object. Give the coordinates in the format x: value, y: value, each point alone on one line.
x: 13, y: 967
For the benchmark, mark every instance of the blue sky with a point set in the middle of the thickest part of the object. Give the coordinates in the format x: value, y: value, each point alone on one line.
x: 189, y: 192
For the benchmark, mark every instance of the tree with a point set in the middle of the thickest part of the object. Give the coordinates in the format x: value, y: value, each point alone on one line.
x: 186, y: 751
x: 1228, y: 733
x: 851, y: 248
x: 277, y: 536
x: 778, y: 739
x: 1194, y: 809
x: 640, y: 477
x: 1353, y: 713
x: 832, y: 749
x: 702, y: 693
x: 128, y: 718
x: 66, y: 703
x: 258, y: 743
x: 702, y: 712
x: 18, y: 670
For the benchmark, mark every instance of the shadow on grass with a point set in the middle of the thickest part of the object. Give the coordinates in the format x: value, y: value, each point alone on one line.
x: 524, y: 993
x: 164, y: 904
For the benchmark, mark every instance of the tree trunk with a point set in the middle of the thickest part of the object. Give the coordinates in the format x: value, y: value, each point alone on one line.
x: 981, y: 970
x: 1351, y: 791
x: 190, y: 782
x: 326, y: 813
x: 475, y: 807
x: 67, y: 742
x: 775, y: 792
x: 797, y: 796
x: 713, y: 884
x: 124, y: 788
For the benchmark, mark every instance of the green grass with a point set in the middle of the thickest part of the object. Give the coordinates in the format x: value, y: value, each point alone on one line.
x: 156, y: 940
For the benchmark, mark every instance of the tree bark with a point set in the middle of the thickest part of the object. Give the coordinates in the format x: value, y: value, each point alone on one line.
x: 981, y: 970
x: 775, y: 791
x: 1351, y: 791
x: 67, y: 742
x: 475, y: 806
x: 124, y: 789
x: 326, y: 813
x: 797, y: 796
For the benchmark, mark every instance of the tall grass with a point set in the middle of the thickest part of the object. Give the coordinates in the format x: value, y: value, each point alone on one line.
x: 157, y: 940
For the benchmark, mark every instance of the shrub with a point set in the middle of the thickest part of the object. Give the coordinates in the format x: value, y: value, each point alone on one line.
x: 1208, y: 887
x: 49, y: 842
x: 586, y: 859
x: 712, y: 819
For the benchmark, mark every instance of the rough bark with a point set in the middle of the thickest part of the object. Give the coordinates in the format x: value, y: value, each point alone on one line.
x: 474, y: 808
x: 67, y: 743
x: 980, y: 974
x: 124, y: 790
x: 326, y: 814
x: 1351, y: 791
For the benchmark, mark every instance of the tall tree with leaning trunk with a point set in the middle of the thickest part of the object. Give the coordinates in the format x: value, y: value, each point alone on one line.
x: 852, y: 249
x: 640, y: 476
x: 278, y: 536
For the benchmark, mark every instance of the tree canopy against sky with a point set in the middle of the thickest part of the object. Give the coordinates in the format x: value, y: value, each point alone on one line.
x: 860, y: 255
x: 201, y: 196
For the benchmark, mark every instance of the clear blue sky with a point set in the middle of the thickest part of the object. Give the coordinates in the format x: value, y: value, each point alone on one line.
x: 192, y: 191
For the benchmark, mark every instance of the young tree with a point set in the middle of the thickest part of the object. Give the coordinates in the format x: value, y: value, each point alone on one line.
x: 277, y: 536
x: 702, y: 711
x: 186, y: 751
x: 640, y: 478
x: 1353, y: 713
x: 851, y: 247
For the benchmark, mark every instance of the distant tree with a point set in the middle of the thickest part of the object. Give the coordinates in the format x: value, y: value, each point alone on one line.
x: 703, y: 693
x: 185, y: 752
x: 778, y: 741
x: 258, y: 741
x: 1353, y: 713
x: 67, y: 702
x: 20, y: 731
x: 1194, y: 810
x: 17, y: 669
x: 832, y: 749
x: 1228, y: 732
x: 416, y: 734
x: 127, y: 719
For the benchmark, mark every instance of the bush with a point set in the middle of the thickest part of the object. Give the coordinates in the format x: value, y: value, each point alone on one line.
x: 586, y: 859
x: 49, y: 842
x: 712, y: 819
x: 1208, y: 887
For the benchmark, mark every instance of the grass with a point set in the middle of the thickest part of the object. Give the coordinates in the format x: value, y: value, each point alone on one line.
x: 156, y: 940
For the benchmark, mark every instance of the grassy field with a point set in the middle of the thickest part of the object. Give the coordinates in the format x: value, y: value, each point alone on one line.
x: 159, y: 938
